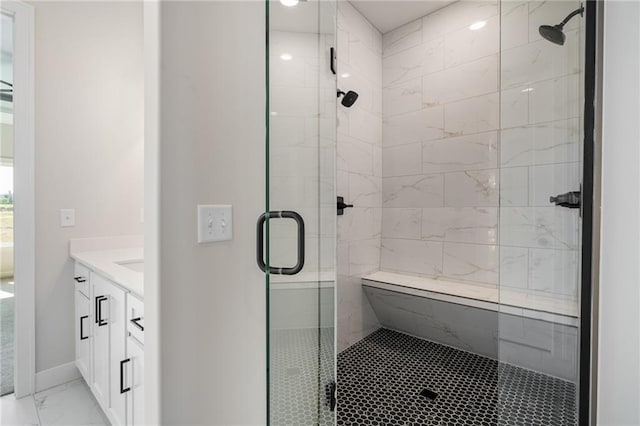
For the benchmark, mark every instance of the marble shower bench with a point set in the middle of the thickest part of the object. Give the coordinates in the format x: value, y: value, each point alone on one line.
x: 538, y: 333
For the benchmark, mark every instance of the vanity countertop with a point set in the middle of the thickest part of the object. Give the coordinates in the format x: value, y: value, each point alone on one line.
x: 112, y: 265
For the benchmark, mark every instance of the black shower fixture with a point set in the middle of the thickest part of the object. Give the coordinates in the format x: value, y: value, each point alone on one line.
x: 554, y: 33
x: 349, y: 98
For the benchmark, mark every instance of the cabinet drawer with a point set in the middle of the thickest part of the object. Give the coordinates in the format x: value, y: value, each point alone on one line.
x: 81, y: 279
x: 135, y: 317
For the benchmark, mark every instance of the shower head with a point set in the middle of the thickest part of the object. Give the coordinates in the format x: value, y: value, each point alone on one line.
x: 554, y: 33
x: 349, y: 98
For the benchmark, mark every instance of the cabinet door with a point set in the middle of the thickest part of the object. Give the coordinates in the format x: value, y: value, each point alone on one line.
x: 83, y: 335
x: 135, y: 381
x: 109, y: 348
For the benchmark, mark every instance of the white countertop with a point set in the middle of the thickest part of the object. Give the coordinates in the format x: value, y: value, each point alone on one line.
x: 106, y: 263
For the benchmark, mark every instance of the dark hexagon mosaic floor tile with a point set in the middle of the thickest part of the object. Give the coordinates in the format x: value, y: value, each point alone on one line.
x: 381, y: 378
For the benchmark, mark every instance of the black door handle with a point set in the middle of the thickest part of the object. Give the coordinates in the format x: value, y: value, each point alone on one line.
x: 570, y: 200
x: 82, y: 336
x: 99, y: 319
x: 122, y: 363
x: 260, y: 242
x: 136, y: 322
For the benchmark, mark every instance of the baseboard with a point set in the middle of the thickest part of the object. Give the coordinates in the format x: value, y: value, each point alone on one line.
x: 56, y: 376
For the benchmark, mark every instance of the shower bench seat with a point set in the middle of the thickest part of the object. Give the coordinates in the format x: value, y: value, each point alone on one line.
x: 535, y: 332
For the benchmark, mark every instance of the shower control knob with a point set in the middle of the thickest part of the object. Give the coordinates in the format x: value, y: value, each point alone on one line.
x: 570, y: 200
x: 341, y: 206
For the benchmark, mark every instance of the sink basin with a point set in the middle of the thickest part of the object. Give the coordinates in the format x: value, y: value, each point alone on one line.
x: 134, y: 265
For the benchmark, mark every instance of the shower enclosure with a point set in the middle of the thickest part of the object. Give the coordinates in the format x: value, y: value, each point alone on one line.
x: 408, y: 212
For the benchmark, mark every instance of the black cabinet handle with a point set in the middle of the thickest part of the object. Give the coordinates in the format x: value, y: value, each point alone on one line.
x: 80, y: 279
x: 99, y: 320
x: 136, y: 322
x: 260, y: 242
x: 82, y: 336
x: 122, y: 363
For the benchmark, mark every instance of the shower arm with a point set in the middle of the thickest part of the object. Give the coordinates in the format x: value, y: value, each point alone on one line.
x: 579, y: 11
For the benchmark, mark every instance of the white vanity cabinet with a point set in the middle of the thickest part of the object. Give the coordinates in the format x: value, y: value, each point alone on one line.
x: 83, y: 317
x: 108, y: 357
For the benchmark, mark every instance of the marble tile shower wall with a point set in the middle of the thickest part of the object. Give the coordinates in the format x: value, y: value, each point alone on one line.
x: 440, y: 138
x: 540, y: 149
x: 359, y: 171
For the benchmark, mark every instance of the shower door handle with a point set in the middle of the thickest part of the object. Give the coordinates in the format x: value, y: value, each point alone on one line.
x: 260, y: 242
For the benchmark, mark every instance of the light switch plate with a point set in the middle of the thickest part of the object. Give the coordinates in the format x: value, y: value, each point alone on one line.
x: 215, y: 223
x: 67, y: 218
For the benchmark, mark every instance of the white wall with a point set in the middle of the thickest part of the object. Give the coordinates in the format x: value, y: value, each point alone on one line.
x: 212, y: 143
x: 89, y: 147
x: 619, y: 324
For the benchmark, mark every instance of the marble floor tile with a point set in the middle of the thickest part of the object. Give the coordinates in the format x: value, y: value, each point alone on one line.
x: 69, y: 404
x: 18, y: 412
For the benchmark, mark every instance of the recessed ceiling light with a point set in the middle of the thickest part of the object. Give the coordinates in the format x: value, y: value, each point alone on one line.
x: 289, y: 3
x: 478, y: 25
x: 528, y: 89
x: 286, y: 57
x: 345, y: 75
x: 274, y: 113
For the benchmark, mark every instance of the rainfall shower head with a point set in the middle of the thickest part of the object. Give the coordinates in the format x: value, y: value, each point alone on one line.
x: 349, y: 98
x: 554, y: 33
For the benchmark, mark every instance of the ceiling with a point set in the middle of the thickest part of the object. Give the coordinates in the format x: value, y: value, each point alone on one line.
x: 387, y: 15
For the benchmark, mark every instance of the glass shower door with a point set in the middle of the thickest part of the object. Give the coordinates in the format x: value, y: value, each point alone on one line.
x: 299, y: 223
x: 541, y: 148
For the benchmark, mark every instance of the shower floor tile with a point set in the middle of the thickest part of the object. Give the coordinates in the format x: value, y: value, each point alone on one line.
x: 381, y: 378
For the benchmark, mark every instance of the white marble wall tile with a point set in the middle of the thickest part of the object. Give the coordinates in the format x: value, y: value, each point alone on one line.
x: 556, y: 142
x: 514, y: 25
x: 401, y: 223
x: 554, y: 271
x: 418, y: 126
x: 356, y: 318
x: 465, y: 45
x: 296, y: 44
x: 403, y: 97
x: 550, y: 180
x: 377, y: 161
x: 514, y: 186
x: 551, y: 13
x: 350, y: 20
x: 364, y: 257
x: 357, y: 223
x: 514, y: 267
x: 294, y: 101
x: 365, y: 125
x: 289, y: 73
x: 461, y: 224
x: 471, y: 262
x: 413, y: 191
x: 473, y: 115
x: 403, y: 160
x: 354, y: 155
x: 402, y: 38
x: 287, y: 131
x: 554, y: 100
x: 472, y: 152
x: 539, y: 61
x: 514, y: 107
x: 462, y: 327
x: 470, y: 79
x: 365, y: 190
x: 342, y: 42
x: 412, y: 256
x: 471, y: 188
x: 456, y: 16
x: 294, y: 161
x: 413, y: 62
x: 539, y: 227
x: 349, y: 79
x: 364, y: 60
